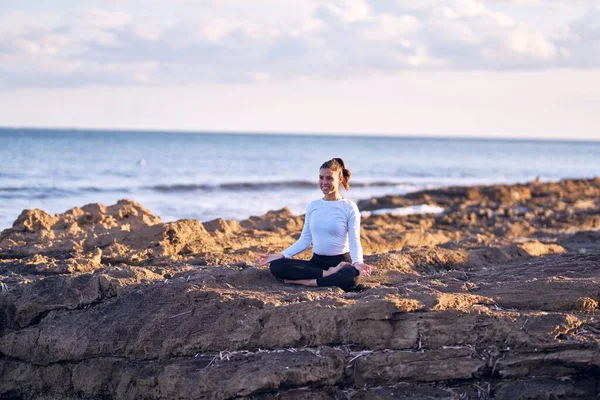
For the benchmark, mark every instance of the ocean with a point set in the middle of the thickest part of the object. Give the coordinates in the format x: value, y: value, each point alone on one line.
x: 234, y: 176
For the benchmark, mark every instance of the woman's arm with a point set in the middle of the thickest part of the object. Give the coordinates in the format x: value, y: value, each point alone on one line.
x: 304, y: 240
x: 356, y: 251
x: 301, y: 244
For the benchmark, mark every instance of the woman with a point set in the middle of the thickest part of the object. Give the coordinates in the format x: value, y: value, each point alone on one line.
x: 332, y: 225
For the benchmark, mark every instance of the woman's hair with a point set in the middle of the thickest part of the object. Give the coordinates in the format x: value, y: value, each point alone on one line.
x: 337, y: 164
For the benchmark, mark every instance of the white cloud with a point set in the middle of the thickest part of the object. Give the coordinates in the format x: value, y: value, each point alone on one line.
x: 422, y: 58
x: 312, y: 25
x: 580, y: 41
x: 445, y: 12
x: 348, y: 10
x: 102, y: 19
x: 412, y: 5
x: 470, y: 8
x: 521, y: 2
x: 533, y: 45
x: 390, y: 27
x: 232, y: 40
x: 148, y: 32
x: 217, y: 29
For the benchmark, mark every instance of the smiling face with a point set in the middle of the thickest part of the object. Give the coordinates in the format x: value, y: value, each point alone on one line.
x: 329, y: 181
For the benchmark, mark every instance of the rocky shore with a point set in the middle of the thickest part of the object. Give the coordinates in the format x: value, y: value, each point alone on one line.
x: 495, y: 297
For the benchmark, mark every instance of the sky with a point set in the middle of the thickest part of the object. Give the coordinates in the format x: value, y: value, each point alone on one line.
x: 469, y: 68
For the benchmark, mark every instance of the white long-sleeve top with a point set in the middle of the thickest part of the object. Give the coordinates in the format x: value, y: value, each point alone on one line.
x: 333, y: 228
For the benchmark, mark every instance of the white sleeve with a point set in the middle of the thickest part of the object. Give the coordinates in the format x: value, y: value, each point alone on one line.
x: 304, y: 240
x: 356, y: 251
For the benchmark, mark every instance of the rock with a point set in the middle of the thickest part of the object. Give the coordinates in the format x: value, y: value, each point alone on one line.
x: 495, y: 298
x: 33, y: 220
x: 274, y: 220
x: 537, y: 249
x: 586, y: 304
x: 219, y: 224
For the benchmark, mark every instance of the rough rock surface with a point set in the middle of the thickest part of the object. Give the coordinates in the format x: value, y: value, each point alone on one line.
x: 497, y: 297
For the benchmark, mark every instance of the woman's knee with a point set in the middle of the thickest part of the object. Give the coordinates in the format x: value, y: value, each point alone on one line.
x: 348, y: 278
x: 276, y: 267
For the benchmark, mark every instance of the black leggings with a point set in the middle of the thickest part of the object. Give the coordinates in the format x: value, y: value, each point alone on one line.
x: 289, y: 268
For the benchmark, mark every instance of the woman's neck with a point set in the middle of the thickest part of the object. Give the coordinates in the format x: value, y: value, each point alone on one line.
x: 332, y: 197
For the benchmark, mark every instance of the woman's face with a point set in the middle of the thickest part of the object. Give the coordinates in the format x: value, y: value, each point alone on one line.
x: 329, y: 181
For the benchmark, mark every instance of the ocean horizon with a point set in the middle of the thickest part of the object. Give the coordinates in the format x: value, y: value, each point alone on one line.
x: 486, y: 138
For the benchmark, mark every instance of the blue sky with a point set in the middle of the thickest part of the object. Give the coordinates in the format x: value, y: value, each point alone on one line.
x: 497, y: 68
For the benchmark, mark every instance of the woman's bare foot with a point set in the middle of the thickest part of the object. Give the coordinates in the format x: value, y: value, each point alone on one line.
x: 335, y: 269
x: 303, y: 282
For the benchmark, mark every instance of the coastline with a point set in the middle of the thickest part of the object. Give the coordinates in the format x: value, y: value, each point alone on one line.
x: 500, y: 291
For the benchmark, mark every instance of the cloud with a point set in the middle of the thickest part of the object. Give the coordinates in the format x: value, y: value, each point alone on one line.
x: 529, y: 44
x: 580, y: 41
x: 346, y: 11
x: 391, y: 28
x: 525, y: 2
x: 214, y: 41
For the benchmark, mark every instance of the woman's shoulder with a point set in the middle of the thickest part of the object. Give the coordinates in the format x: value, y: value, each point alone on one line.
x: 349, y: 202
x: 350, y: 205
x: 314, y: 204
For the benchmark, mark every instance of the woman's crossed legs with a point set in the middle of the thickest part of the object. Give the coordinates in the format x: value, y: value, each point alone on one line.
x: 319, y: 271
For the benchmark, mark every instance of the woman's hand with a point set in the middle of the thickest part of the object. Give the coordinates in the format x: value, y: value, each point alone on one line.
x: 363, y: 269
x: 264, y: 259
x: 342, y: 265
x: 336, y: 269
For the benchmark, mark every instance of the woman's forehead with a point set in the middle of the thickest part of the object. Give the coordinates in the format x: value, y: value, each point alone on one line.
x: 326, y: 172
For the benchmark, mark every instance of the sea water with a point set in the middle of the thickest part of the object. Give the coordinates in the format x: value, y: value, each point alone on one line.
x: 210, y: 175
